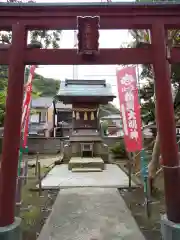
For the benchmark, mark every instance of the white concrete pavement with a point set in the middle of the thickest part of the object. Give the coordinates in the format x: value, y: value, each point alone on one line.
x: 90, y: 214
x: 60, y: 177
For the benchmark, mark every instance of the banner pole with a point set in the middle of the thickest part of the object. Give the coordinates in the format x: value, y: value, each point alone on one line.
x: 130, y: 170
x: 144, y: 165
x: 24, y: 132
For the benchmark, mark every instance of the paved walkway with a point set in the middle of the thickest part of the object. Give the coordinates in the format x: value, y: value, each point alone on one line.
x: 45, y: 160
x: 90, y: 214
x: 60, y: 177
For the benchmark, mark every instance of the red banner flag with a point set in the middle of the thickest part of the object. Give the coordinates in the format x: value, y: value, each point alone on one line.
x: 26, y: 104
x: 130, y: 108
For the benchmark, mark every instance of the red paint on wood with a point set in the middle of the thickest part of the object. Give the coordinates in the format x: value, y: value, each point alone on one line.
x: 69, y: 23
x: 175, y: 55
x: 4, y: 56
x: 70, y: 56
x: 11, y: 141
x: 166, y: 122
x: 115, y: 16
x: 88, y: 35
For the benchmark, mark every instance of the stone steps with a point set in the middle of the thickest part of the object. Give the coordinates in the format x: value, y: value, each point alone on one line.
x: 86, y: 169
x: 81, y: 163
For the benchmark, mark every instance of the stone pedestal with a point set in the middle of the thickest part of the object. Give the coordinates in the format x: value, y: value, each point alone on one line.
x: 11, y: 232
x: 169, y: 230
x: 86, y: 164
x: 67, y: 153
x: 104, y: 152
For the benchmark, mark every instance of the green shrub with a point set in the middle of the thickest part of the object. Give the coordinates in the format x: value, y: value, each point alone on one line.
x: 104, y: 126
x: 119, y: 150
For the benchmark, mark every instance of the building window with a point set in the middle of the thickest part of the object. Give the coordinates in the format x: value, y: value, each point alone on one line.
x: 34, y: 118
x: 42, y: 117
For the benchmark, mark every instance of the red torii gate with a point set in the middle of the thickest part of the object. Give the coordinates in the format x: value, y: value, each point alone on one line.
x: 22, y: 17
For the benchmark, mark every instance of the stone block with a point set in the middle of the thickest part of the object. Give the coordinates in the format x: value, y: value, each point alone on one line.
x: 67, y: 153
x: 78, y: 162
x: 86, y: 169
x: 105, y: 152
x: 169, y: 230
x: 11, y: 232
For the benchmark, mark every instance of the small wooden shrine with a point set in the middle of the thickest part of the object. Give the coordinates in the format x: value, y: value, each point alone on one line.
x: 85, y: 144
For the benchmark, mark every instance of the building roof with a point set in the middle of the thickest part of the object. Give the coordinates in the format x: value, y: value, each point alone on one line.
x: 46, y: 102
x: 112, y: 116
x: 42, y: 102
x: 37, y: 127
x: 92, y: 88
x: 61, y: 105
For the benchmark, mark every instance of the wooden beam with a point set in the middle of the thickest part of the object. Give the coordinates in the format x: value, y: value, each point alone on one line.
x: 113, y: 16
x: 70, y: 23
x: 106, y: 23
x: 166, y: 129
x: 12, y: 132
x: 4, y: 57
x: 70, y: 57
x: 175, y: 55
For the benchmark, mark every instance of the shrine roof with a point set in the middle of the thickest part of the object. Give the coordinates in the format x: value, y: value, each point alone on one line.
x: 93, y: 88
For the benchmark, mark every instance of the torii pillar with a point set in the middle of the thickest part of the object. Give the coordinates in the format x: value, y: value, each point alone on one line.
x: 9, y: 225
x: 167, y: 131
